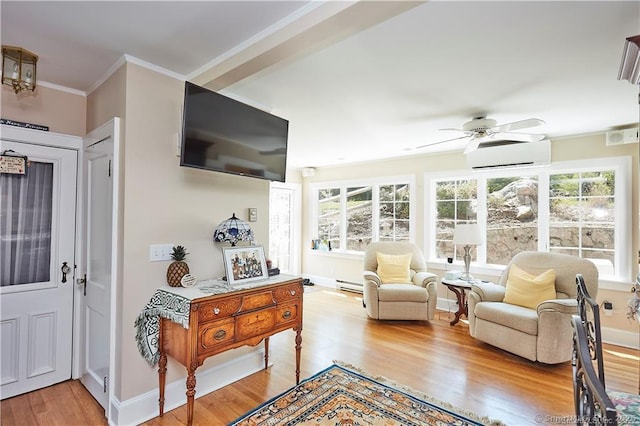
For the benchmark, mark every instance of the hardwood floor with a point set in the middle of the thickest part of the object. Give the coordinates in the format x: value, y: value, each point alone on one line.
x: 431, y: 357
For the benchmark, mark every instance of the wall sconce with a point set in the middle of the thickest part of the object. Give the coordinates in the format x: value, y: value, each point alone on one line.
x: 18, y: 68
x: 630, y: 64
x: 232, y: 231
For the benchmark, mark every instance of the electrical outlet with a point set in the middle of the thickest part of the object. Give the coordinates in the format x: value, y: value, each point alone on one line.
x: 160, y: 252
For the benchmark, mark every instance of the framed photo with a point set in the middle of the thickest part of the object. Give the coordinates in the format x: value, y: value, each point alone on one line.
x: 245, y: 264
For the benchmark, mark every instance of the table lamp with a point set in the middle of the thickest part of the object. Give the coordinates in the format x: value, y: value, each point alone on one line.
x: 232, y: 231
x: 467, y: 235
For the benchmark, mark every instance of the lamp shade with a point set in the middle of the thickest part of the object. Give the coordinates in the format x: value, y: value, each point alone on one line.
x: 233, y: 230
x: 467, y: 234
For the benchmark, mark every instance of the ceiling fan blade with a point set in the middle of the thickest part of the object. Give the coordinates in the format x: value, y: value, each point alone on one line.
x: 440, y: 142
x: 520, y: 137
x: 517, y: 125
x: 474, y: 143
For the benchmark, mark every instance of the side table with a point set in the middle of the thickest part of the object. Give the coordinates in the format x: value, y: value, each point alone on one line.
x: 459, y: 288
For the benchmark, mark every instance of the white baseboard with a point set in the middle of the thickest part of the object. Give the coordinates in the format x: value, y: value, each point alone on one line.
x: 145, y: 407
x: 322, y: 281
x: 626, y: 339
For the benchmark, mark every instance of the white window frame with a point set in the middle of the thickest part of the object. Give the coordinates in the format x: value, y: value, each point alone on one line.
x: 622, y: 195
x: 375, y: 184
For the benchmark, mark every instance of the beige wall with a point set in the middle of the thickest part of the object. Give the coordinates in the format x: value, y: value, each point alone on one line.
x: 350, y: 268
x: 63, y: 112
x: 164, y: 203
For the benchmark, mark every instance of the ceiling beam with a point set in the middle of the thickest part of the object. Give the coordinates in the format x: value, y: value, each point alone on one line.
x: 316, y: 28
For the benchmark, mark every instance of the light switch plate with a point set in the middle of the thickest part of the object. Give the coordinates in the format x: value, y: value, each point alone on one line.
x: 160, y: 252
x: 253, y: 214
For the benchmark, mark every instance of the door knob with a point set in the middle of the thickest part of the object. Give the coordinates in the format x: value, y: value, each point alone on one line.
x: 65, y: 270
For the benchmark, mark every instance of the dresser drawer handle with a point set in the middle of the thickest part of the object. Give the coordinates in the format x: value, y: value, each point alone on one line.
x: 286, y: 314
x: 216, y: 310
x: 292, y: 292
x: 220, y: 334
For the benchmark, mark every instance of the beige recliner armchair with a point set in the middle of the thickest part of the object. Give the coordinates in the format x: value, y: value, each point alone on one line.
x: 413, y: 298
x: 542, y: 334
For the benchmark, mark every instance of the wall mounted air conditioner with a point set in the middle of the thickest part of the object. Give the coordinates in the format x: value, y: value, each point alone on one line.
x: 621, y: 137
x: 500, y: 154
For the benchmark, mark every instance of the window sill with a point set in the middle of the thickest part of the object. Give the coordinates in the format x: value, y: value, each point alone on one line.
x: 494, y: 271
x: 343, y: 254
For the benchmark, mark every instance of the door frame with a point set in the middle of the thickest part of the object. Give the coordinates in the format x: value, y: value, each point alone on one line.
x: 58, y: 140
x: 109, y: 129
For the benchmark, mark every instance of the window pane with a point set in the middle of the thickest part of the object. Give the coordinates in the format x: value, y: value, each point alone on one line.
x: 359, y: 215
x: 582, y: 215
x: 329, y: 216
x: 394, y: 213
x: 25, y: 234
x: 512, y: 217
x: 564, y: 235
x: 446, y: 210
x: 456, y: 202
x: 564, y: 185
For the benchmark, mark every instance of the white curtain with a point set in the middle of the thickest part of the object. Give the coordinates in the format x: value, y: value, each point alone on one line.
x: 25, y: 225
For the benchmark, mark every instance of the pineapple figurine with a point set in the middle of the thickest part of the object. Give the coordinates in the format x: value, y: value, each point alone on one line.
x: 178, y: 268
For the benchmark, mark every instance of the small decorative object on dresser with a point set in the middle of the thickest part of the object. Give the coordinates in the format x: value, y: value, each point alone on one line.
x: 178, y: 268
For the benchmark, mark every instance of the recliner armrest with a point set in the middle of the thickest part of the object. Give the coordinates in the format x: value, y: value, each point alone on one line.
x: 424, y: 278
x: 373, y: 277
x: 564, y: 306
x: 488, y: 292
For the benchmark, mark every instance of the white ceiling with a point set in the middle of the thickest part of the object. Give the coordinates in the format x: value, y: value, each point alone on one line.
x: 358, y: 80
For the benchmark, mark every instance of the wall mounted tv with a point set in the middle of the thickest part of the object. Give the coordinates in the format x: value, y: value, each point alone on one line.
x: 225, y: 135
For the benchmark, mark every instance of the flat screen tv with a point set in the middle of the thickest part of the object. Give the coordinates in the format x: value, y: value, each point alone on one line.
x: 225, y: 135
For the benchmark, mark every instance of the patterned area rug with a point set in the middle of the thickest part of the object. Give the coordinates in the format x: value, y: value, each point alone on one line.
x: 342, y: 395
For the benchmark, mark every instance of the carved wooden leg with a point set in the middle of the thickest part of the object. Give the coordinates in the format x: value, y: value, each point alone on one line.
x: 298, y: 346
x: 162, y: 375
x: 461, y: 304
x: 266, y: 353
x: 162, y: 369
x: 191, y: 391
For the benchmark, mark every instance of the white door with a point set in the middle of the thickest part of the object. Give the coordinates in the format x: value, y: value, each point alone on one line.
x: 98, y: 261
x: 37, y: 233
x: 284, y: 227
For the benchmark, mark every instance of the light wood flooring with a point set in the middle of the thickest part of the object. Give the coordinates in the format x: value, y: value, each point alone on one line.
x: 434, y: 358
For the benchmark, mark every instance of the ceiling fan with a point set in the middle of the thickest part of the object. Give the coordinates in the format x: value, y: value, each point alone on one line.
x: 481, y: 129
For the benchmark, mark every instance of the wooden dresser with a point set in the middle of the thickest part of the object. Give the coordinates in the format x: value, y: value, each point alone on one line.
x: 225, y: 321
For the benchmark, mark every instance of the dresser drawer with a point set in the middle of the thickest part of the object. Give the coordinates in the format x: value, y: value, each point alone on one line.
x: 287, y: 312
x: 289, y: 292
x: 255, y: 323
x: 251, y: 302
x: 218, y: 309
x: 213, y: 334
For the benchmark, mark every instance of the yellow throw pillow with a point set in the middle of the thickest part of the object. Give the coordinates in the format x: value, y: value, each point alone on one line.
x: 527, y: 290
x: 394, y: 268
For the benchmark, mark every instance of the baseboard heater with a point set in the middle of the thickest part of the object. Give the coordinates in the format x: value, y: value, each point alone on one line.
x: 349, y: 286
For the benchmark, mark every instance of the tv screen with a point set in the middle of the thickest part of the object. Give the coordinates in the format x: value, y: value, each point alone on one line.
x: 225, y: 135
